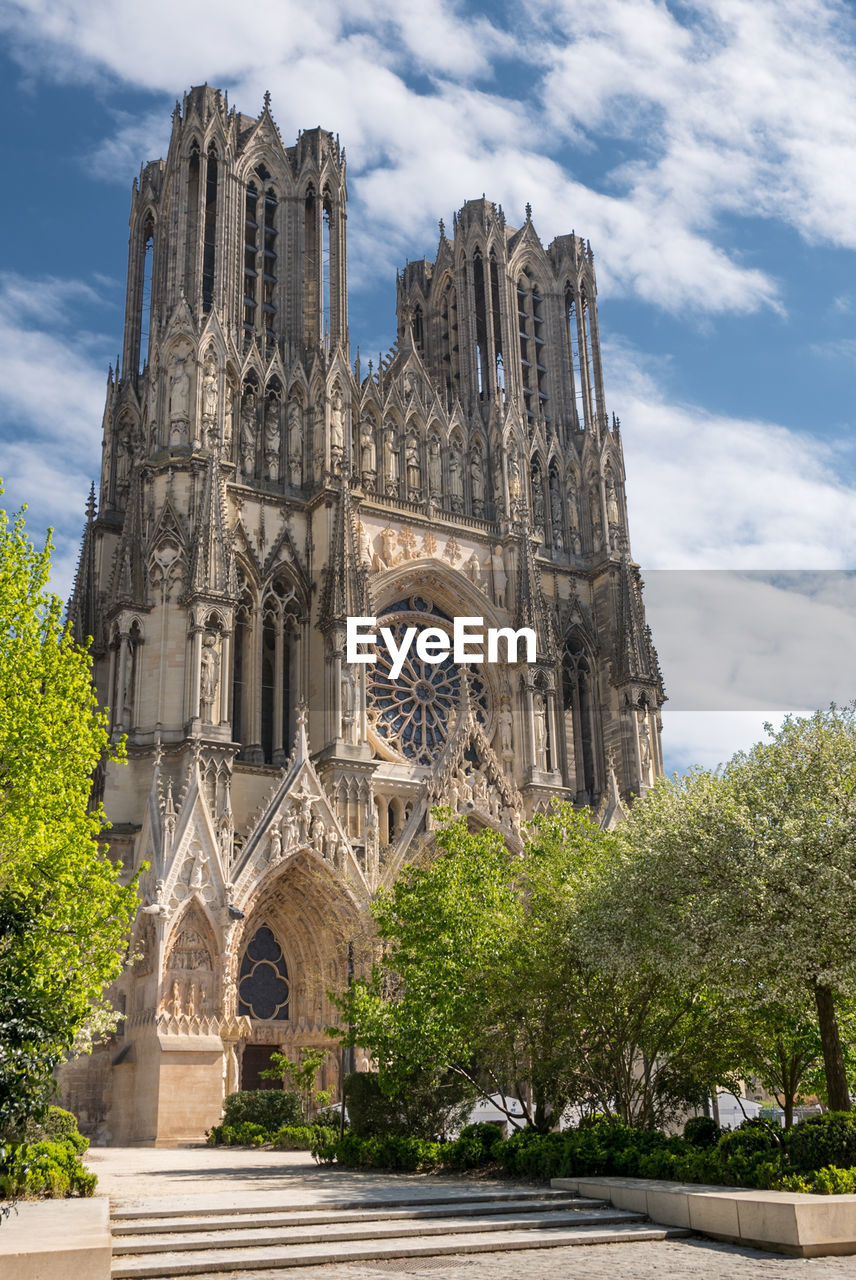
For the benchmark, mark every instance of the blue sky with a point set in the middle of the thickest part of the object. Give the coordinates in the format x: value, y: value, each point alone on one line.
x: 707, y: 150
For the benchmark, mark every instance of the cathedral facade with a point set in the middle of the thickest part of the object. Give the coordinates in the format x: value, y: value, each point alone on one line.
x: 259, y: 488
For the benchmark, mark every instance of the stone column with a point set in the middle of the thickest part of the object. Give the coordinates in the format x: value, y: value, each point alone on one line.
x: 225, y: 676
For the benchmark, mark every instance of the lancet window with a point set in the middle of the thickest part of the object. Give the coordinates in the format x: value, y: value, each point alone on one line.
x: 265, y: 669
x: 579, y: 699
x: 209, y: 245
x: 449, y: 339
x: 530, y: 315
x: 577, y: 384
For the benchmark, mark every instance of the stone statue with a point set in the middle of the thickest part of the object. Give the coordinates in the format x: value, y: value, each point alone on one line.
x: 316, y: 834
x: 368, y: 454
x: 272, y: 438
x: 179, y: 394
x: 555, y: 502
x: 295, y: 444
x: 387, y: 542
x: 176, y: 1000
x: 540, y: 732
x: 224, y: 836
x: 500, y: 577
x: 514, y: 483
x: 248, y: 434
x: 210, y: 392
x: 275, y: 845
x: 537, y: 498
x: 337, y: 430
x: 456, y: 479
x: 435, y: 467
x: 573, y: 506
x: 612, y: 511
x: 289, y: 830
x: 506, y: 726
x: 596, y: 522
x: 477, y: 481
x: 318, y: 456
x: 197, y: 870
x: 209, y: 670
x: 414, y: 467
x: 473, y: 570
x: 390, y: 460
x: 366, y: 552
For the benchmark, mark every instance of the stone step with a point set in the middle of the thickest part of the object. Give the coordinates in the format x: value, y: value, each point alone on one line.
x: 229, y: 1220
x: 405, y: 1228
x: 211, y: 1262
x: 227, y: 1204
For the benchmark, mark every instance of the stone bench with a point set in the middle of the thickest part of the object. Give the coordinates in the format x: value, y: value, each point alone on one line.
x: 56, y: 1240
x: 806, y: 1226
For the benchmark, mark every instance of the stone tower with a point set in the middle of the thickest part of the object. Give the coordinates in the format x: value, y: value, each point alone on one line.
x: 258, y: 489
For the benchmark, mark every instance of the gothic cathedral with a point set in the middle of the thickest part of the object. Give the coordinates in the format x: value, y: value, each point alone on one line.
x: 258, y: 488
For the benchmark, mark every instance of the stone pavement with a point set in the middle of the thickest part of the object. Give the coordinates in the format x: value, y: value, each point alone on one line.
x: 662, y: 1260
x: 175, y: 1174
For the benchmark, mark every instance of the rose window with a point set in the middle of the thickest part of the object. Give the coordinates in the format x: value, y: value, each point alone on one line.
x: 412, y: 713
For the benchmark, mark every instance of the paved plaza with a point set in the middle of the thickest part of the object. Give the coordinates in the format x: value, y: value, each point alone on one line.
x: 133, y: 1176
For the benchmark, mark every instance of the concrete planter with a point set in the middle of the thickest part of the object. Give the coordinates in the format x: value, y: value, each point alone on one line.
x: 806, y: 1226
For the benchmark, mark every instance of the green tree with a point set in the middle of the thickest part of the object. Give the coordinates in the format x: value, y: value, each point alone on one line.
x: 301, y: 1076
x: 490, y: 970
x: 64, y: 916
x: 797, y: 808
x: 743, y: 886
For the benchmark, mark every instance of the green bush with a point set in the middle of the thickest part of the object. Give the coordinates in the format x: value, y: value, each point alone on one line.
x: 423, y: 1108
x: 821, y: 1141
x: 389, y: 1151
x: 243, y: 1134
x: 271, y: 1108
x: 295, y: 1137
x: 474, y: 1146
x: 44, y: 1168
x: 702, y: 1131
x: 324, y: 1144
x: 822, y: 1182
x: 61, y: 1126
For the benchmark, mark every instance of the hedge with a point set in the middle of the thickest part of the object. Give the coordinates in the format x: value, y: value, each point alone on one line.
x: 757, y: 1155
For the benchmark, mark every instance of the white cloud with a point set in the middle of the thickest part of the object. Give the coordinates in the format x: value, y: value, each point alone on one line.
x: 746, y: 107
x: 711, y: 738
x: 52, y: 386
x: 708, y: 491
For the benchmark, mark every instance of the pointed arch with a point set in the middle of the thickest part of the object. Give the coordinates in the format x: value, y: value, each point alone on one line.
x: 580, y: 701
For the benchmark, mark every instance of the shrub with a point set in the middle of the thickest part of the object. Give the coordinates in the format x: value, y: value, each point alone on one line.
x: 243, y: 1134
x: 823, y: 1182
x: 423, y: 1108
x: 825, y: 1140
x: 270, y: 1108
x: 474, y: 1146
x: 295, y: 1137
x: 44, y: 1168
x: 324, y: 1144
x: 702, y: 1131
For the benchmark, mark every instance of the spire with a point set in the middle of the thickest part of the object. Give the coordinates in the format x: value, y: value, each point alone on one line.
x: 81, y: 605
x: 636, y: 657
x: 213, y: 564
x: 129, y: 575
x: 345, y: 585
x: 531, y: 607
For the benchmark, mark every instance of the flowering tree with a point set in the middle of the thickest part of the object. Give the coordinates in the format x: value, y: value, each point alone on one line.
x: 64, y: 916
